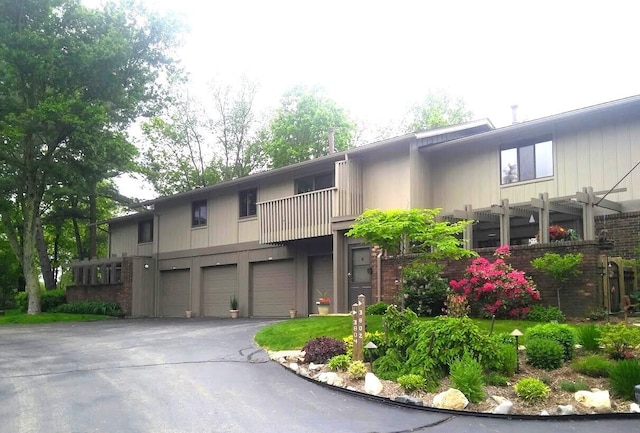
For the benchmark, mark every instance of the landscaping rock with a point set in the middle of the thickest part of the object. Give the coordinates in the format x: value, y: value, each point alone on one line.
x: 595, y: 399
x: 284, y: 356
x: 409, y: 400
x: 565, y: 410
x: 351, y: 388
x: 503, y: 408
x: 544, y: 413
x: 634, y: 408
x: 315, y: 367
x: 498, y: 399
x: 293, y: 366
x: 450, y: 399
x: 331, y: 378
x: 372, y: 384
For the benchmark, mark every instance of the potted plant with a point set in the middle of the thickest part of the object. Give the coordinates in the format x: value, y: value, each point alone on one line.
x: 293, y: 313
x: 233, y: 304
x: 323, y: 303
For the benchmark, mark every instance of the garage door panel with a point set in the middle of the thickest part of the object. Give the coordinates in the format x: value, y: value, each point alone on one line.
x: 174, y: 292
x: 220, y: 283
x: 274, y: 286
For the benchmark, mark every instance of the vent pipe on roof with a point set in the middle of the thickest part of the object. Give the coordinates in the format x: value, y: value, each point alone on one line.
x: 332, y: 147
x: 514, y: 114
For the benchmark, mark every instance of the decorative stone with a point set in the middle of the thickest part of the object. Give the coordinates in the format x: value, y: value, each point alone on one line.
x: 450, y: 399
x: 565, y: 410
x: 498, y: 399
x: 634, y: 408
x: 503, y: 408
x: 595, y: 399
x: 544, y: 413
x: 351, y: 388
x: 293, y: 366
x: 331, y: 378
x: 372, y: 384
x: 315, y: 367
x: 409, y: 400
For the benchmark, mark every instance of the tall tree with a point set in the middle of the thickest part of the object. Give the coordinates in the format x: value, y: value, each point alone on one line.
x: 66, y: 72
x: 300, y: 129
x: 436, y: 110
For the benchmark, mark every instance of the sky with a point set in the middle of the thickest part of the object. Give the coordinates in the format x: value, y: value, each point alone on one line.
x: 376, y: 58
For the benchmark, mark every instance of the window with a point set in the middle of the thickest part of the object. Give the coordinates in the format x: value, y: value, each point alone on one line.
x: 248, y: 202
x: 314, y: 183
x: 528, y: 161
x: 199, y: 213
x: 145, y: 231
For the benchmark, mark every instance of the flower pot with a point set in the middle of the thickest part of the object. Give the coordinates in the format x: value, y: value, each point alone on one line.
x: 234, y: 314
x: 293, y: 313
x: 323, y: 309
x: 188, y: 314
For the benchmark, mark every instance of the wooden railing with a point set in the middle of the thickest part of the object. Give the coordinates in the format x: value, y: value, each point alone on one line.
x: 97, y: 271
x: 348, y: 201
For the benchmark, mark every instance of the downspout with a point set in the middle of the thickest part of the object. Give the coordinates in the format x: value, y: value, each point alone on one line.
x: 379, y: 276
x: 156, y: 270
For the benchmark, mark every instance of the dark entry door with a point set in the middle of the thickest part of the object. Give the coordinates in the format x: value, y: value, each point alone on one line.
x: 359, y: 274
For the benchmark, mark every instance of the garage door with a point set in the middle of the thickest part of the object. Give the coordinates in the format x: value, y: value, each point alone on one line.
x: 320, y: 279
x: 220, y: 283
x: 174, y: 293
x: 273, y: 288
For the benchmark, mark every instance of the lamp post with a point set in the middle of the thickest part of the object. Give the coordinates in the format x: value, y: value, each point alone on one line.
x: 516, y: 333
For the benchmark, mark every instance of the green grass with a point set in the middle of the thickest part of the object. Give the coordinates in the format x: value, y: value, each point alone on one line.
x: 17, y: 317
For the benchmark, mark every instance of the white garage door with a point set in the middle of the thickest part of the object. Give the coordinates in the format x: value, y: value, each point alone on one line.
x: 220, y: 283
x: 273, y: 288
x: 174, y: 293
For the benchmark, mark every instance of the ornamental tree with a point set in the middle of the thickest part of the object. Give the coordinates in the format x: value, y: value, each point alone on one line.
x: 560, y: 267
x: 496, y: 287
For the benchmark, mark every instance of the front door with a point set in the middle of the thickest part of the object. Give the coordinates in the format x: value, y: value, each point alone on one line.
x: 359, y: 274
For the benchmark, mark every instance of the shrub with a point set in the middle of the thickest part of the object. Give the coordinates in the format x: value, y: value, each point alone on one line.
x: 539, y: 313
x: 377, y: 309
x: 562, y: 334
x: 412, y: 382
x: 91, y: 307
x: 457, y: 305
x: 339, y: 363
x: 49, y: 300
x: 624, y: 376
x: 425, y: 290
x: 531, y: 390
x: 378, y: 338
x: 544, y: 353
x: 390, y: 366
x: 496, y: 379
x: 618, y: 340
x: 467, y: 376
x: 508, y: 359
x: 588, y: 337
x: 592, y: 366
x: 496, y: 288
x: 321, y: 349
x: 357, y: 370
x: 597, y: 314
x: 568, y: 386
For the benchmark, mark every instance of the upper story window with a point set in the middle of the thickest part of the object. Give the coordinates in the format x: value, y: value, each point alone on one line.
x: 314, y: 183
x: 248, y: 202
x: 145, y: 231
x: 527, y: 161
x: 199, y: 213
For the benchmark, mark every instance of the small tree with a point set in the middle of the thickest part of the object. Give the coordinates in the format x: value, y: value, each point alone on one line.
x: 560, y: 267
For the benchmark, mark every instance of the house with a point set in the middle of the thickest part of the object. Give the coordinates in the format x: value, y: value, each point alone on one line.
x: 276, y: 239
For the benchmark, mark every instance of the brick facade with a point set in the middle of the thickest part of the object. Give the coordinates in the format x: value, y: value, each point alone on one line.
x: 623, y: 230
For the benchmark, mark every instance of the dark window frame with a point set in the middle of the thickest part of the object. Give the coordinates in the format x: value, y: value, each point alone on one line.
x: 142, y: 238
x: 248, y: 203
x: 198, y: 208
x: 526, y: 161
x: 315, y: 182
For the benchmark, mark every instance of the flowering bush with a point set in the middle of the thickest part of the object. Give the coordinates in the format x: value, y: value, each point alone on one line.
x: 557, y: 233
x: 324, y: 298
x: 499, y: 289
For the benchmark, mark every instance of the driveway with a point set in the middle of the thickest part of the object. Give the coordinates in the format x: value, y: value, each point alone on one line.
x: 179, y: 375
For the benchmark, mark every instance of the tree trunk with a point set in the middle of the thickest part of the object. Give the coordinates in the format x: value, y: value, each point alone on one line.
x: 30, y: 207
x: 93, y: 217
x: 43, y: 256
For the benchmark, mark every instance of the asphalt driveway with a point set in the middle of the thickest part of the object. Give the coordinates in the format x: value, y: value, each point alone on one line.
x: 179, y: 375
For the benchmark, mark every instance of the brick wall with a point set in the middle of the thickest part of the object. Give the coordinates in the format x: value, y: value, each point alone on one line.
x: 623, y: 230
x: 120, y: 293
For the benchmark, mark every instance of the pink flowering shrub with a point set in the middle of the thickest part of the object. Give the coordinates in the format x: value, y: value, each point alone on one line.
x: 496, y: 287
x: 456, y: 306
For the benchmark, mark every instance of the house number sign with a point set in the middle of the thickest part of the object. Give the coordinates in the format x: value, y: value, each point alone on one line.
x: 358, y: 315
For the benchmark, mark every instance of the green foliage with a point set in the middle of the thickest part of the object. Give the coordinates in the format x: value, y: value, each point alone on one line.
x: 436, y: 110
x: 539, y: 313
x: 573, y: 387
x: 496, y: 379
x: 560, y: 267
x: 339, y: 363
x: 597, y: 314
x: 532, y: 390
x: 322, y: 349
x: 233, y: 302
x: 391, y: 229
x: 589, y: 337
x: 412, y: 382
x: 357, y: 370
x: 507, y: 359
x: 377, y: 338
x: 49, y: 300
x: 592, y: 366
x: 91, y: 307
x: 425, y: 291
x: 379, y: 308
x: 10, y: 274
x: 562, y: 334
x: 544, y: 353
x: 467, y: 376
x: 618, y: 340
x: 390, y: 366
x: 624, y: 376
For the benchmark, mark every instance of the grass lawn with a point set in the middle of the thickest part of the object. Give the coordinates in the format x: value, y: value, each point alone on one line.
x: 293, y: 334
x: 18, y: 317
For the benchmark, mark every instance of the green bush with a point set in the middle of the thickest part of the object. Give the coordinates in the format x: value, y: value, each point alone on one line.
x: 496, y: 379
x: 588, y: 337
x: 377, y: 309
x: 573, y: 387
x: 544, y: 353
x: 531, y: 390
x: 412, y: 382
x: 468, y: 377
x: 508, y: 359
x: 624, y: 376
x: 592, y: 366
x: 425, y: 290
x: 357, y: 370
x: 618, y: 340
x: 339, y: 363
x: 91, y: 307
x: 539, y: 313
x: 563, y: 334
x: 49, y: 300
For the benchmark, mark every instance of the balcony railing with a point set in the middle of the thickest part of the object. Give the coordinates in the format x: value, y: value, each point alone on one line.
x: 300, y: 216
